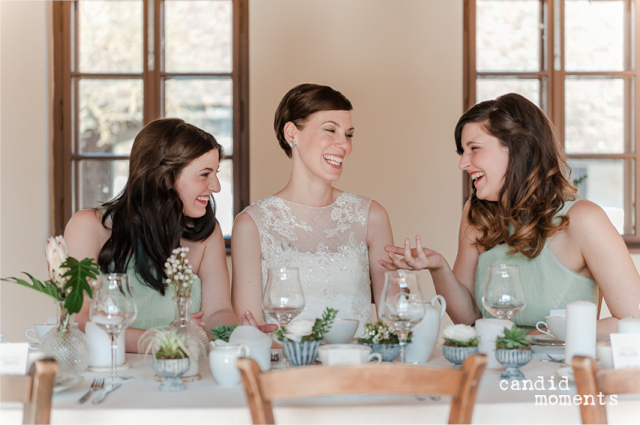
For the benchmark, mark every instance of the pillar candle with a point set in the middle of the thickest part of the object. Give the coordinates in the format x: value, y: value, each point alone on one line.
x: 488, y: 330
x: 581, y: 330
x: 629, y: 325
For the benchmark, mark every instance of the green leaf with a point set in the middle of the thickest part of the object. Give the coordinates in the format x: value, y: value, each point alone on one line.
x: 78, y: 272
x: 46, y: 287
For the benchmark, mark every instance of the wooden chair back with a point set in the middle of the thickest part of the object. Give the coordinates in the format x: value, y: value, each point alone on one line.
x: 33, y: 390
x: 590, y: 382
x: 386, y: 378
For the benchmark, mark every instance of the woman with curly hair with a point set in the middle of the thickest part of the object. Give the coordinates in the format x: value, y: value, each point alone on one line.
x: 524, y: 211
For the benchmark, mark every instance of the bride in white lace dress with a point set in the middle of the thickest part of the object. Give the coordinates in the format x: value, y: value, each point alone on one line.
x: 333, y: 237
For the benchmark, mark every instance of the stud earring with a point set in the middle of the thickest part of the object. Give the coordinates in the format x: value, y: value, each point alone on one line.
x: 292, y: 143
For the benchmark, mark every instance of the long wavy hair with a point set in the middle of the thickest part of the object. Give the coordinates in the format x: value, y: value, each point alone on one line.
x: 535, y: 186
x: 147, y: 221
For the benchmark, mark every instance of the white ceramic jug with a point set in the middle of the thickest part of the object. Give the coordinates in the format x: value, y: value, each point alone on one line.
x: 425, y: 333
x: 222, y: 360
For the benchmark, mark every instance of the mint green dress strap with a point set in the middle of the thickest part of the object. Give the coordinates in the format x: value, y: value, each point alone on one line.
x: 548, y: 284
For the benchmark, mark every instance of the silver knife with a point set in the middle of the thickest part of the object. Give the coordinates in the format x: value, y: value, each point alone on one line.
x: 105, y: 393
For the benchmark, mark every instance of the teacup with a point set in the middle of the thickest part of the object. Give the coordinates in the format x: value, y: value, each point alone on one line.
x: 341, y: 332
x: 222, y: 360
x: 39, y: 329
x: 345, y: 354
x: 556, y: 326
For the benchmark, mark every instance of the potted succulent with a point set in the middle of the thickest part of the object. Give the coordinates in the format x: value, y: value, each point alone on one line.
x: 301, y: 338
x: 382, y: 339
x: 171, y: 355
x: 223, y: 332
x: 460, y: 342
x: 513, y: 350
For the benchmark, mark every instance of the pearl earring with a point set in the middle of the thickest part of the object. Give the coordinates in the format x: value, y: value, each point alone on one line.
x: 292, y: 143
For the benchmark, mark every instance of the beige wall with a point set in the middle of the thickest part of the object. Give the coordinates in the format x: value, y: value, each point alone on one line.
x: 400, y: 62
x: 24, y: 218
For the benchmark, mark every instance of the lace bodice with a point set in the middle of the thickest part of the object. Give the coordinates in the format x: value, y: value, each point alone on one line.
x: 328, y: 245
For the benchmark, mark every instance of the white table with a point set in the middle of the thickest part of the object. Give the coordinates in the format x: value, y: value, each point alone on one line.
x: 204, y: 401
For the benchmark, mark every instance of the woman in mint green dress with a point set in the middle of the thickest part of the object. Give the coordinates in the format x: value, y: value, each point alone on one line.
x: 167, y: 202
x: 524, y: 211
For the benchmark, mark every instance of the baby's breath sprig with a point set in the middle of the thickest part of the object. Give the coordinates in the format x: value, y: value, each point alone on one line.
x: 179, y: 272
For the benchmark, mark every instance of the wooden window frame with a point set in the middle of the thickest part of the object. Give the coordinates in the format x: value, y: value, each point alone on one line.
x: 65, y: 126
x: 552, y: 96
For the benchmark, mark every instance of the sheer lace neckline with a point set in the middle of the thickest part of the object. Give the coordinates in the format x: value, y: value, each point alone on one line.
x: 307, y: 206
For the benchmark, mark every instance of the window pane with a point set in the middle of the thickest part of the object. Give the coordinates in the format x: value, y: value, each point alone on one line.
x: 594, y: 121
x: 110, y: 36
x: 490, y: 88
x: 198, y: 36
x: 224, y: 199
x: 205, y: 103
x: 594, y: 35
x: 605, y: 185
x: 508, y: 35
x: 99, y: 181
x: 110, y: 115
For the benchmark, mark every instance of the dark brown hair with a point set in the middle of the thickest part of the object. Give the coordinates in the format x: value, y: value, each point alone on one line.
x: 147, y: 219
x: 535, y: 186
x: 301, y: 102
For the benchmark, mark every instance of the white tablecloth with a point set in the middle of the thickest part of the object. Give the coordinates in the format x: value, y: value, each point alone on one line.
x: 204, y: 401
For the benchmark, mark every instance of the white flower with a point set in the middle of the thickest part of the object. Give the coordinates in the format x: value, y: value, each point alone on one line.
x: 462, y: 333
x: 299, y: 328
x: 56, y: 254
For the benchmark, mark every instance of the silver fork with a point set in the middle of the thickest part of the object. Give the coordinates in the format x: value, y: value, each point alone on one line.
x: 97, y: 384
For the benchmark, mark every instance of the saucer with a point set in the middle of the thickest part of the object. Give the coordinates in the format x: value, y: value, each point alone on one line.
x: 65, y: 382
x: 546, y: 341
x: 567, y: 372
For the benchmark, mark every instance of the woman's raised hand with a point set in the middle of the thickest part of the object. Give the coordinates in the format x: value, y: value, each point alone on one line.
x: 418, y: 258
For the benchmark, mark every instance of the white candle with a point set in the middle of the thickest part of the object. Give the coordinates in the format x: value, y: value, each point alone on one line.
x: 629, y: 325
x: 581, y: 330
x: 100, y: 346
x: 488, y: 330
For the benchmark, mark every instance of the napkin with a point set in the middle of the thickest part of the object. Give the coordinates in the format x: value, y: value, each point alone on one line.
x: 581, y: 330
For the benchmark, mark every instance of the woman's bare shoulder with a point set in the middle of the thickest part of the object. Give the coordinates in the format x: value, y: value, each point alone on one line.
x: 585, y: 214
x: 85, y: 233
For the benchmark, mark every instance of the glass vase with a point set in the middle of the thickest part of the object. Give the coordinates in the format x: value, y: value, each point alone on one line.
x: 67, y: 344
x: 197, y: 340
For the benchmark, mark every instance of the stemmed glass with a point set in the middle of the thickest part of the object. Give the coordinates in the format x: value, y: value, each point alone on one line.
x: 283, y: 298
x: 503, y: 293
x: 113, y: 309
x: 402, y: 305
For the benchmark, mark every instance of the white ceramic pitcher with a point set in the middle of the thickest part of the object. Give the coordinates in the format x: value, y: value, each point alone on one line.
x: 425, y: 333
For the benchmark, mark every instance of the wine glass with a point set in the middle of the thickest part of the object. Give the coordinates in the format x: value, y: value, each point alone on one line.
x: 113, y: 309
x: 401, y: 305
x: 283, y: 298
x: 503, y: 293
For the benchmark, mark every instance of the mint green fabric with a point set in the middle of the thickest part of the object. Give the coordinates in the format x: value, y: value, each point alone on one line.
x: 155, y: 309
x: 548, y: 284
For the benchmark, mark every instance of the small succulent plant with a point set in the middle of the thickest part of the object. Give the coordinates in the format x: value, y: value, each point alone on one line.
x: 513, y: 339
x: 223, y: 332
x: 165, y: 344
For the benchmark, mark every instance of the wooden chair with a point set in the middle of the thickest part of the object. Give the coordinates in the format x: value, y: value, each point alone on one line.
x: 33, y: 390
x: 590, y: 382
x: 386, y: 378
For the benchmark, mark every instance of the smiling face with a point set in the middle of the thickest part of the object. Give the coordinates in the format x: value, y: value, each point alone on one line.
x: 323, y: 143
x: 197, y: 181
x: 485, y: 159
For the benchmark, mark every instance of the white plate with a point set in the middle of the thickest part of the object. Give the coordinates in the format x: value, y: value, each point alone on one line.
x: 566, y: 371
x: 65, y: 382
x: 546, y: 341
